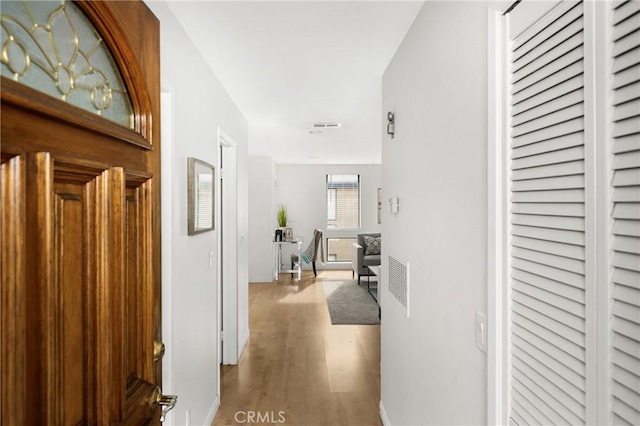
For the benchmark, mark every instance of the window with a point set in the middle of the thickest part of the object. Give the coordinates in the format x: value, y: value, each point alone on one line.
x: 343, y: 201
x: 339, y: 249
x: 332, y: 213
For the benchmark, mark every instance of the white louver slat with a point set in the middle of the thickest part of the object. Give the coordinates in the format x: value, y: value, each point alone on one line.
x: 625, y: 212
x: 548, y: 332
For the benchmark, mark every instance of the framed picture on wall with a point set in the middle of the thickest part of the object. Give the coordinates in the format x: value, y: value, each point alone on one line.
x: 201, y: 196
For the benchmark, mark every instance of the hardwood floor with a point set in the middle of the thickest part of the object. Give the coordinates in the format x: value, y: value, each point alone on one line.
x: 298, y: 369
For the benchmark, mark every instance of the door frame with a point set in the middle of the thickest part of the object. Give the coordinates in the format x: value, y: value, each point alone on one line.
x: 166, y: 116
x: 498, y: 300
x: 227, y: 265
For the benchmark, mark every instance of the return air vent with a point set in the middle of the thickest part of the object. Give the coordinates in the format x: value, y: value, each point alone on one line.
x: 326, y: 125
x: 399, y: 283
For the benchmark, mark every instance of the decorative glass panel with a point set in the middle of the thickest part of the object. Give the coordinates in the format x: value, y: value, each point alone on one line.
x: 52, y: 47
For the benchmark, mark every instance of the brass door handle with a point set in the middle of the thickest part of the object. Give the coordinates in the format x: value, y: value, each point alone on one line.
x: 158, y: 350
x: 167, y: 402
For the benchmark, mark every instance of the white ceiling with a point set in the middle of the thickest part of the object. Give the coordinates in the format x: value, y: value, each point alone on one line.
x: 289, y: 64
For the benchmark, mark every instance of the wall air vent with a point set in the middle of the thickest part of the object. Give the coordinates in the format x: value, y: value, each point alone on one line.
x: 326, y: 125
x: 399, y: 283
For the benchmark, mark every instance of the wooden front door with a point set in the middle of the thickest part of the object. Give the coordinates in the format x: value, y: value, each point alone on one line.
x: 80, y: 221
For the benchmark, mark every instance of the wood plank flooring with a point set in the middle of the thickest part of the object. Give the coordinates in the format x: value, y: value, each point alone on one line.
x: 298, y: 369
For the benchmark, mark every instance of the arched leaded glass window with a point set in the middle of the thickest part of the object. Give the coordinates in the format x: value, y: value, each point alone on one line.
x: 52, y: 47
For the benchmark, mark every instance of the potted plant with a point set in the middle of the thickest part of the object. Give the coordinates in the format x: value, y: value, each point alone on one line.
x: 282, y: 216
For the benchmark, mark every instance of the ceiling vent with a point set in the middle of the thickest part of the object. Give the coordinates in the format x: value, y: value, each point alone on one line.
x: 326, y: 125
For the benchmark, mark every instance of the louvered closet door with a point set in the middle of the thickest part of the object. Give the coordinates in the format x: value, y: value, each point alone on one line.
x: 548, y: 356
x: 625, y: 324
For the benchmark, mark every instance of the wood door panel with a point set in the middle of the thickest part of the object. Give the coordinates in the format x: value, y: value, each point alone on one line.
x: 40, y: 333
x: 139, y: 335
x: 13, y: 372
x: 70, y: 283
x: 139, y: 261
x: 134, y: 339
x: 64, y: 141
x: 101, y: 254
x: 76, y: 326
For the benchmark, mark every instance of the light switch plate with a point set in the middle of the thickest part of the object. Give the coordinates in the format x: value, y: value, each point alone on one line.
x: 394, y: 205
x: 481, y: 331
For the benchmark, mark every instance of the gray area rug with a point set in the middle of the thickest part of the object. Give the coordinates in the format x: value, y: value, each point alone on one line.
x: 350, y: 304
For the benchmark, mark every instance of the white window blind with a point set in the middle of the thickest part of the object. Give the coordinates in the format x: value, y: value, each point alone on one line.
x: 625, y: 211
x: 343, y: 201
x: 548, y: 311
x: 204, y: 200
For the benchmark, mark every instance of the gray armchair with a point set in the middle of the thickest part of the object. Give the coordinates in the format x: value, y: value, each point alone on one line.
x: 361, y: 261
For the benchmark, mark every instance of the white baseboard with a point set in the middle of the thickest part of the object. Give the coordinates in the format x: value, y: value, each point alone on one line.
x: 213, y: 410
x: 383, y: 415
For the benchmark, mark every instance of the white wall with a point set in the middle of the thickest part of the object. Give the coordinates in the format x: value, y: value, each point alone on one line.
x: 199, y: 105
x: 262, y: 176
x: 431, y: 371
x: 302, y: 188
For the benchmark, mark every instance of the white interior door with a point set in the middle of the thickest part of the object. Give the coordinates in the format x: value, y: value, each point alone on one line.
x: 572, y: 215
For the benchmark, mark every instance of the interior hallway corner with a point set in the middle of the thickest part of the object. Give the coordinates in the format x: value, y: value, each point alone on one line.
x: 297, y: 368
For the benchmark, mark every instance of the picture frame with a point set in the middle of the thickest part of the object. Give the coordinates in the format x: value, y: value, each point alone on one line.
x: 201, y: 196
x: 288, y: 234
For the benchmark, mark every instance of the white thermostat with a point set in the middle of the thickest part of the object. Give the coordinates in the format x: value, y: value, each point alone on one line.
x: 394, y: 205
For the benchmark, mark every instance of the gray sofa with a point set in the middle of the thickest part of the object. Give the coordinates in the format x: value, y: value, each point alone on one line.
x: 359, y: 260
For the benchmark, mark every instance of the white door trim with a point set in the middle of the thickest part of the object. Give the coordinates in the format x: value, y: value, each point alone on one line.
x: 166, y: 154
x: 498, y: 249
x: 495, y: 299
x: 227, y: 218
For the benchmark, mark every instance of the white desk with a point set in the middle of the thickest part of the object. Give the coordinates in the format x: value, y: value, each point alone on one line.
x: 376, y: 271
x: 277, y: 258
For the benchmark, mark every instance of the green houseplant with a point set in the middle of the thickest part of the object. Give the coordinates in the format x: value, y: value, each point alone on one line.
x: 282, y: 216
